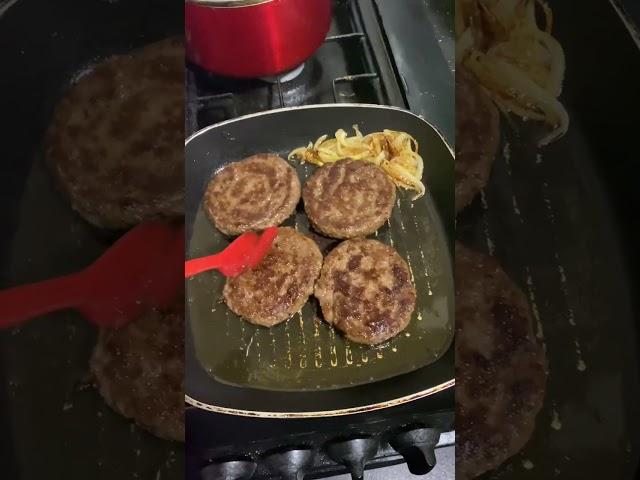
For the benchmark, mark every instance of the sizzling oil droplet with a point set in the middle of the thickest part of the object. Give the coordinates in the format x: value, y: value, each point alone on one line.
x: 248, y: 349
x: 316, y: 331
x: 485, y: 218
x: 422, y: 257
x: 318, y: 354
x: 534, y: 304
x: 348, y: 356
x: 413, y: 280
x: 581, y: 366
x: 273, y: 346
x: 301, y: 327
x: 556, y: 424
x: 244, y: 342
x: 289, y: 358
x: 528, y: 464
x: 303, y: 354
x: 390, y: 236
x: 333, y: 354
x: 400, y: 217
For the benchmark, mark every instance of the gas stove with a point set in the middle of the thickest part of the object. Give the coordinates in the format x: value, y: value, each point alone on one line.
x: 374, y: 53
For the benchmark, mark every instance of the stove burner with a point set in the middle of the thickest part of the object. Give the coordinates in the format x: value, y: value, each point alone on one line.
x: 285, y: 77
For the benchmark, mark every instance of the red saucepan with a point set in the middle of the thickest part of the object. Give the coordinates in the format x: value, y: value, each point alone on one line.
x: 254, y: 38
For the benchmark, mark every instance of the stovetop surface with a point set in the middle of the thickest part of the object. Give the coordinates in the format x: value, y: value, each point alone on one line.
x: 374, y: 53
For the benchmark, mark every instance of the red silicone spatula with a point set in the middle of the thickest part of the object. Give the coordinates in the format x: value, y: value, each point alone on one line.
x: 244, y: 252
x: 142, y: 270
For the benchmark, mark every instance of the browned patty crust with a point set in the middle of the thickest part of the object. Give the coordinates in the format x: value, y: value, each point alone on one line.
x: 281, y: 283
x: 139, y: 371
x: 500, y: 366
x: 477, y: 138
x: 255, y: 193
x: 365, y: 291
x: 115, y: 144
x: 348, y: 198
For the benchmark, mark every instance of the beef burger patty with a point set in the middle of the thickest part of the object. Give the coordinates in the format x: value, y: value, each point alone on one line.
x: 365, y: 291
x: 255, y: 193
x: 281, y: 283
x: 115, y: 144
x: 348, y: 199
x: 139, y: 371
x: 500, y: 367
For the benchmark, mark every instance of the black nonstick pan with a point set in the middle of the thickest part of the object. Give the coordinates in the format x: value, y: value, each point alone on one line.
x: 52, y: 423
x: 304, y: 368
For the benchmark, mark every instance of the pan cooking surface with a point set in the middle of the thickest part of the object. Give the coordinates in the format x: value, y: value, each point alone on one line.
x: 305, y: 354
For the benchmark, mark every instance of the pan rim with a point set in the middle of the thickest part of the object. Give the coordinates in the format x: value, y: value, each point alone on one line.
x: 444, y: 384
x: 196, y: 134
x: 322, y: 413
x: 629, y: 23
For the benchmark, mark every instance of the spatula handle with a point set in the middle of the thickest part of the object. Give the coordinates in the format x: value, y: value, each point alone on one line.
x: 202, y: 264
x: 28, y: 301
